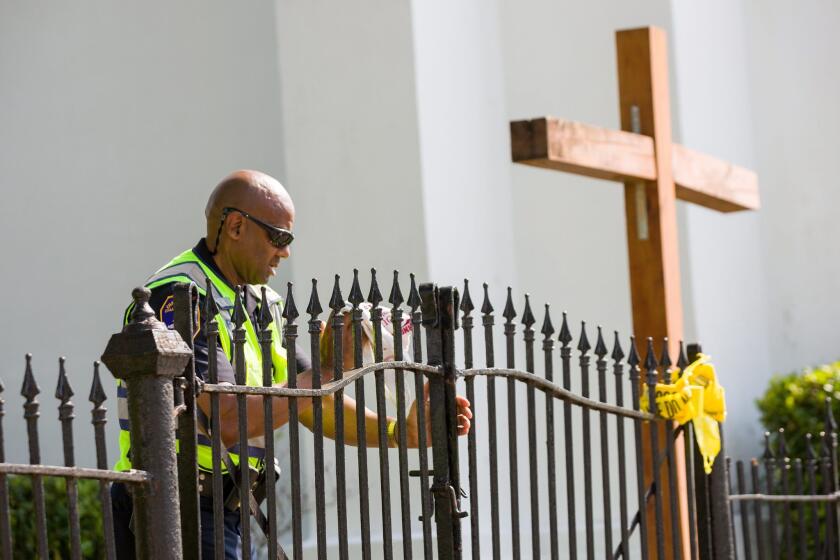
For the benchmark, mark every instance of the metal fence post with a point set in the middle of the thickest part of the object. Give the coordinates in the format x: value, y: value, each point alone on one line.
x: 147, y: 356
x: 438, y: 307
x: 448, y: 302
x: 714, y: 521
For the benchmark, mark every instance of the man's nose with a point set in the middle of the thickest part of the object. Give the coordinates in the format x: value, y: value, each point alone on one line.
x: 284, y: 252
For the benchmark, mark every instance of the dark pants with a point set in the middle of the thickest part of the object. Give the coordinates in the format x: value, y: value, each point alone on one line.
x: 124, y: 537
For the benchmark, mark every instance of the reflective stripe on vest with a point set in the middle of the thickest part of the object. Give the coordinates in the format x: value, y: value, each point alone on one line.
x: 187, y: 267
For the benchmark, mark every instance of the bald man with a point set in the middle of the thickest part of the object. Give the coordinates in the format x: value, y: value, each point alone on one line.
x: 250, y: 218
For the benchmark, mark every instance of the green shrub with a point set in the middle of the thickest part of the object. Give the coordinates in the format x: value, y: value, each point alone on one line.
x: 24, y: 534
x: 796, y: 402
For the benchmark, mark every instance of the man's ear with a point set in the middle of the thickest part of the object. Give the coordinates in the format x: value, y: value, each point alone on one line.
x: 233, y: 225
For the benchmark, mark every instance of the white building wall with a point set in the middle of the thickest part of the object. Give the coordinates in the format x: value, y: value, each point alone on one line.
x: 792, y: 66
x: 117, y: 121
x: 353, y: 167
x: 722, y: 261
x: 388, y: 124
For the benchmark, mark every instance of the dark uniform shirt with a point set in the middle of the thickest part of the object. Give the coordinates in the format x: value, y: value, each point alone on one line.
x: 162, y: 294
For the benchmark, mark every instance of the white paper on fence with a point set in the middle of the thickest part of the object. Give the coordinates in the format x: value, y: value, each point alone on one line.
x: 388, y: 351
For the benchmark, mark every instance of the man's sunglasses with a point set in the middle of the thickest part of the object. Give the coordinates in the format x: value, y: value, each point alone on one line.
x: 278, y: 237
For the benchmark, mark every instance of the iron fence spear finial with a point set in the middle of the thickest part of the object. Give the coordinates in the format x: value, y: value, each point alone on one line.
x: 547, y: 328
x: 238, y: 317
x: 583, y: 341
x: 264, y: 317
x: 600, y: 346
x: 395, y: 298
x: 336, y: 300
x: 665, y: 360
x: 509, y: 312
x: 617, y: 353
x: 782, y: 444
x: 830, y: 423
x: 527, y: 315
x: 486, y: 306
x: 565, y: 336
x: 650, y: 358
x: 633, y: 359
x: 30, y: 388
x: 374, y: 295
x: 314, y: 308
x: 413, y: 295
x: 290, y: 312
x: 355, y: 296
x: 466, y: 302
x: 97, y: 394
x: 63, y: 391
x: 682, y: 359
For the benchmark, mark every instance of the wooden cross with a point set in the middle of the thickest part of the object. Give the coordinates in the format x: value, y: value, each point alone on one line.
x: 655, y: 173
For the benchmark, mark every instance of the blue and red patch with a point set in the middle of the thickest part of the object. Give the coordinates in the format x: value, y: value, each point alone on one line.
x: 167, y: 315
x: 167, y: 312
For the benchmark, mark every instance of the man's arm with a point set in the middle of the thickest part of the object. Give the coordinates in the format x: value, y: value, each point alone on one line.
x: 370, y: 417
x: 229, y: 411
x: 372, y: 425
x: 350, y: 412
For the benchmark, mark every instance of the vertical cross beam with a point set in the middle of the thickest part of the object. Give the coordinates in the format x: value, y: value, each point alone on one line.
x: 650, y: 208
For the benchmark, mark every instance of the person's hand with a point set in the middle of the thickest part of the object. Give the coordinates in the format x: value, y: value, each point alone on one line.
x: 464, y: 415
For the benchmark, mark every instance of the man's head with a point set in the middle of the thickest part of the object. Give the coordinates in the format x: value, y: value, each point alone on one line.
x: 242, y: 246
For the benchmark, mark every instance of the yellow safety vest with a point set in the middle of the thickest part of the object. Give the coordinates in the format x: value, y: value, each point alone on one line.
x: 188, y: 267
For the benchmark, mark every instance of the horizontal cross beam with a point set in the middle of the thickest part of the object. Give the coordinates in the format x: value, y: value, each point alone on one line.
x: 617, y: 155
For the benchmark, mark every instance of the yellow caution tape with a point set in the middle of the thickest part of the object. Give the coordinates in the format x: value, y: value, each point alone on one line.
x: 695, y: 395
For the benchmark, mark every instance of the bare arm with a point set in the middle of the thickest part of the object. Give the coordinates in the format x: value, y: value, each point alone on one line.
x: 228, y: 413
x: 350, y: 418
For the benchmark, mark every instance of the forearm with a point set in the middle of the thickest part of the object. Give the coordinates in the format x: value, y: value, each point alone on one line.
x: 351, y: 413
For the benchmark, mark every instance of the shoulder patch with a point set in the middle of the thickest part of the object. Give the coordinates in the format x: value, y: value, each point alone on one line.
x: 167, y: 311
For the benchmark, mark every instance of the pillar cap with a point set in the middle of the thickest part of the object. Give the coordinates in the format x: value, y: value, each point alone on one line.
x: 145, y: 346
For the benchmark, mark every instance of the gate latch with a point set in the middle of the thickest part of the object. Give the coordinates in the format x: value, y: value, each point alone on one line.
x: 449, y: 492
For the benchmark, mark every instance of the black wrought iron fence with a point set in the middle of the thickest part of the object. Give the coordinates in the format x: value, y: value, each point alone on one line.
x: 788, y: 506
x: 35, y: 472
x: 625, y: 472
x: 628, y: 520
x: 605, y: 474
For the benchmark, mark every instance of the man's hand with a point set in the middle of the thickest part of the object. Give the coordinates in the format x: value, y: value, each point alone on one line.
x: 464, y: 413
x: 413, y: 430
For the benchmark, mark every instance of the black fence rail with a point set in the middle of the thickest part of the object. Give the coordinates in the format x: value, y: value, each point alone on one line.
x: 789, y: 506
x: 583, y: 472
